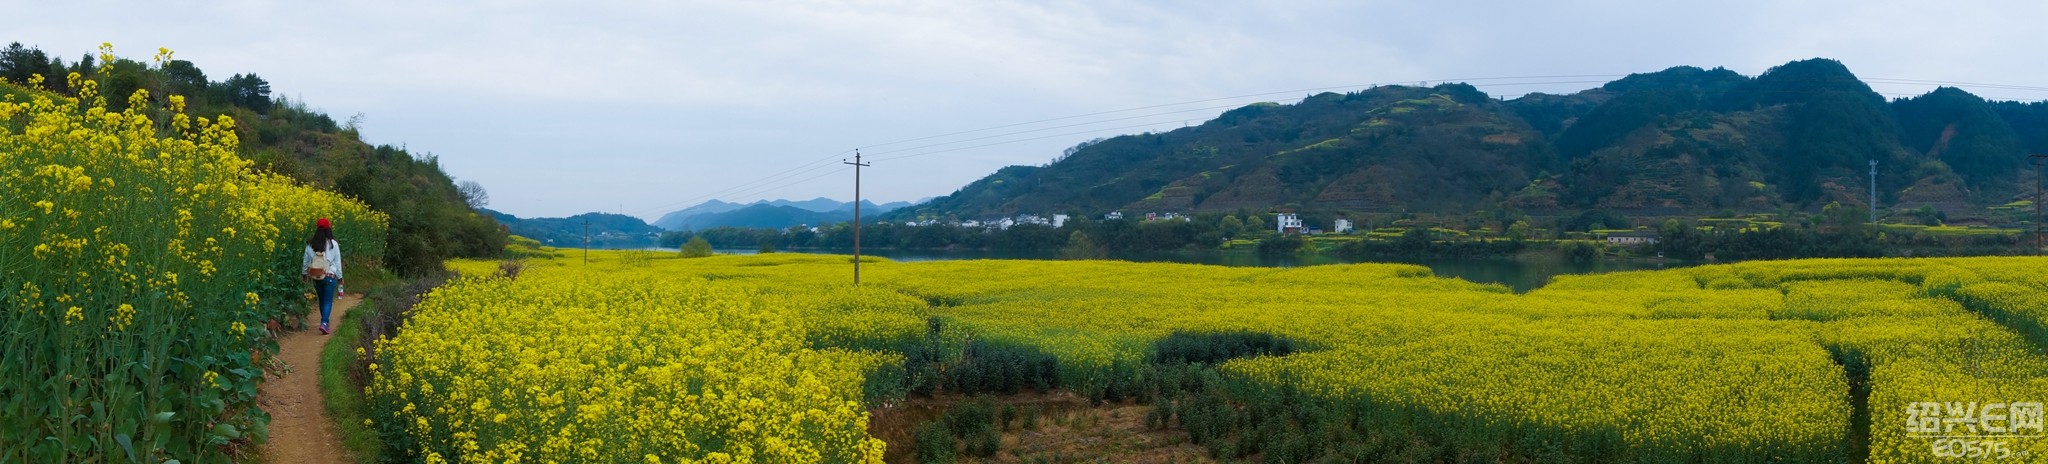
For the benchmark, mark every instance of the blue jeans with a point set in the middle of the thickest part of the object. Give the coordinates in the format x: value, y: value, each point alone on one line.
x: 325, y: 288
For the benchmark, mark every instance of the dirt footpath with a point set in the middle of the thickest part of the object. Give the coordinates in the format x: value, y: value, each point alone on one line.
x: 300, y: 431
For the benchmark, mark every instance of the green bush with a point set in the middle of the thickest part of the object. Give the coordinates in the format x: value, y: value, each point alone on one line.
x: 696, y: 248
x: 935, y: 444
x: 978, y: 367
x: 972, y: 417
x: 1215, y: 348
x: 1003, y: 368
x: 984, y: 443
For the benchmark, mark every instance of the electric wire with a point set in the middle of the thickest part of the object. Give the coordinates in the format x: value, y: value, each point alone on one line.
x: 758, y: 185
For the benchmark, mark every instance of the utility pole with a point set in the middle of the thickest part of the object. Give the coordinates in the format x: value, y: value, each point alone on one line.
x: 586, y: 242
x: 2038, y: 200
x: 1873, y: 193
x: 856, y: 213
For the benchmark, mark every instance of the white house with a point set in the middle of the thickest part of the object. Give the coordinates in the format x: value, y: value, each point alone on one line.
x: 1059, y: 220
x: 1343, y: 226
x: 1288, y: 223
x: 1113, y: 215
x: 1632, y: 238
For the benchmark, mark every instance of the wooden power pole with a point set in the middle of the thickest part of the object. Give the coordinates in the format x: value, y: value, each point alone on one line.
x: 1873, y: 193
x: 2039, y: 245
x: 856, y: 213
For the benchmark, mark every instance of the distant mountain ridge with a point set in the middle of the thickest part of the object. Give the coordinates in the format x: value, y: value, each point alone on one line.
x: 762, y: 216
x: 605, y: 230
x: 1684, y: 140
x: 769, y: 214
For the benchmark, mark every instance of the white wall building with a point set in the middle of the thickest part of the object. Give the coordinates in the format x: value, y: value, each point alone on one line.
x: 1059, y: 220
x: 1287, y: 223
x: 1343, y: 226
x: 1632, y: 238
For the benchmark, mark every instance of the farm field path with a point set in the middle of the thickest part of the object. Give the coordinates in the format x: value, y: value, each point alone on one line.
x: 299, y: 429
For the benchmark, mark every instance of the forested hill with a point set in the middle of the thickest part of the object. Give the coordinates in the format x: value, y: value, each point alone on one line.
x: 599, y: 230
x: 431, y: 219
x: 1683, y: 140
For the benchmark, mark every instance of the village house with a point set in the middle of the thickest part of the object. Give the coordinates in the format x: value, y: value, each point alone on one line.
x: 1287, y: 223
x: 1632, y: 238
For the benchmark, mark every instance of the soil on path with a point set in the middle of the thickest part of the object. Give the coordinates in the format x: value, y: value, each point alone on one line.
x: 300, y: 431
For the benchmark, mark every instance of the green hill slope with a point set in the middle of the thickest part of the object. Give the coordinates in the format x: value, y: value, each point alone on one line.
x: 1680, y: 141
x: 431, y: 220
x: 603, y: 230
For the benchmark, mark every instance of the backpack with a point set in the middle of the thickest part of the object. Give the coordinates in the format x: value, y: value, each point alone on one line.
x: 319, y: 267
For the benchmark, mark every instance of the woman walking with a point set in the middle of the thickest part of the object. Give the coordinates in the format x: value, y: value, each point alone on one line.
x: 323, y: 266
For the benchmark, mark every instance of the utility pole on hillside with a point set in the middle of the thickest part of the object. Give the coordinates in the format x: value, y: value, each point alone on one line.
x: 2038, y: 200
x: 856, y: 213
x: 1873, y: 193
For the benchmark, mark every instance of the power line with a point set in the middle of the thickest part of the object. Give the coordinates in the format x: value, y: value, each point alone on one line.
x: 1264, y: 94
x: 756, y: 186
x: 1208, y: 108
x: 791, y: 172
x: 914, y: 155
x: 856, y: 213
x: 1958, y: 84
x: 1207, y: 100
x: 791, y: 184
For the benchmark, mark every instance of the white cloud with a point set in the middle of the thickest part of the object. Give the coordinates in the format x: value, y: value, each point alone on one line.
x: 565, y: 107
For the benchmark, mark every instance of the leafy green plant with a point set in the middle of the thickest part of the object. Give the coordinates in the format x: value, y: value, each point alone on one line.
x: 696, y: 248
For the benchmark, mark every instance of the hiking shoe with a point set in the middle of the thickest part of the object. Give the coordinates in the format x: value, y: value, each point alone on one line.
x: 323, y: 328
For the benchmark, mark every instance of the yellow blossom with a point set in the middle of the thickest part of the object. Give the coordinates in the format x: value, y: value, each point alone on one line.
x: 123, y: 316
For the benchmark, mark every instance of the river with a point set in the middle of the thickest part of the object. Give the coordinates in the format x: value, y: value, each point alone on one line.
x: 1522, y: 274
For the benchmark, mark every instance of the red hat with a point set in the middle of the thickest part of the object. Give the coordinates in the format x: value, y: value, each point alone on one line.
x: 322, y: 223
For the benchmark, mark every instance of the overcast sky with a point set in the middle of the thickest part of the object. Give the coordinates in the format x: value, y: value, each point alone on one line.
x: 560, y: 108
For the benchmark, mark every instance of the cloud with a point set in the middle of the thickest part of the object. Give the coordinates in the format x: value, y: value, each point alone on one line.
x: 566, y: 107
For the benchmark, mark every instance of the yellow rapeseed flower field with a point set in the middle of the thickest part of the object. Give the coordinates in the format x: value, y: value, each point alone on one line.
x: 633, y: 365
x: 140, y: 259
x: 1796, y: 361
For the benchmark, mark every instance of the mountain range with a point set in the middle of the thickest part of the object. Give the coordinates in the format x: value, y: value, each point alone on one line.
x: 1682, y: 141
x: 775, y: 214
x: 604, y: 230
x: 608, y: 230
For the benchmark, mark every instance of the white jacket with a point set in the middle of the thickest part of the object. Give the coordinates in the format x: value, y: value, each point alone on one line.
x: 333, y: 259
